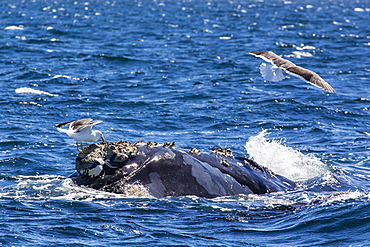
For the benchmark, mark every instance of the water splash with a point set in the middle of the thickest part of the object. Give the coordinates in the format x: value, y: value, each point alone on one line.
x: 284, y: 160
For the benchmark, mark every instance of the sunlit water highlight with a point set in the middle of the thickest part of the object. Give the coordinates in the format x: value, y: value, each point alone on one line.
x: 178, y: 71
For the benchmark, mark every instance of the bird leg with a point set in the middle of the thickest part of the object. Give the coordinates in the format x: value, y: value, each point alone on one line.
x: 78, y: 149
x: 81, y: 148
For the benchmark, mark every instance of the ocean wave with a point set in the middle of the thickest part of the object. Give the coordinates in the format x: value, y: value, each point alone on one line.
x: 67, y: 77
x: 28, y: 90
x: 13, y: 27
x: 53, y: 187
x: 71, y: 192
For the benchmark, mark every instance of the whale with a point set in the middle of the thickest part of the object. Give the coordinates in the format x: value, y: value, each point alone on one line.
x: 164, y: 170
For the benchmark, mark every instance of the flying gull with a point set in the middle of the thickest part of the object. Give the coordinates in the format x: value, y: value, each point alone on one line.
x: 81, y: 130
x: 274, y: 72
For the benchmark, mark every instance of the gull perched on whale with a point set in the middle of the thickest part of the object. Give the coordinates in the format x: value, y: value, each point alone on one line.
x: 274, y: 72
x: 81, y: 130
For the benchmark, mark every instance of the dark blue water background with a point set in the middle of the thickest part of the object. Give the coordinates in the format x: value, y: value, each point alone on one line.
x: 178, y: 71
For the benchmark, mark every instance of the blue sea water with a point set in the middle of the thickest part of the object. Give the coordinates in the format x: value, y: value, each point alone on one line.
x: 178, y: 71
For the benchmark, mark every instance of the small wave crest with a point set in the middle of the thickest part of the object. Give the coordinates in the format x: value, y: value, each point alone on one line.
x: 39, y: 187
x: 284, y: 160
x: 72, y: 192
x: 67, y: 77
x: 52, y: 187
x: 13, y: 27
x: 33, y: 91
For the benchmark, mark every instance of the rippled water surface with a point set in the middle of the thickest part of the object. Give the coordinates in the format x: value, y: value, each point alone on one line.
x: 178, y: 71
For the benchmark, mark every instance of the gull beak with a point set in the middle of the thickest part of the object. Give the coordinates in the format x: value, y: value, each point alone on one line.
x: 103, y: 139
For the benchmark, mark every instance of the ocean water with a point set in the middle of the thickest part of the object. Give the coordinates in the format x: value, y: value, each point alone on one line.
x: 178, y: 71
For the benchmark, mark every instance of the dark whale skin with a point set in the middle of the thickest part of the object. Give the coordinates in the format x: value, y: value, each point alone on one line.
x: 167, y: 171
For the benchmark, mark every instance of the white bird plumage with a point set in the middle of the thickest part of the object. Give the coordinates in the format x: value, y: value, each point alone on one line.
x: 81, y: 131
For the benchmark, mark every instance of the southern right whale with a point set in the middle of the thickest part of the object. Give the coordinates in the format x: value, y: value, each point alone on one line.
x: 165, y: 170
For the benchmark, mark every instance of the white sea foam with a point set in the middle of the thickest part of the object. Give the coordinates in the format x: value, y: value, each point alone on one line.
x: 37, y: 187
x: 70, y: 191
x: 254, y: 200
x: 67, y: 77
x: 339, y: 197
x: 361, y: 9
x: 52, y: 187
x: 29, y: 103
x: 20, y: 27
x: 33, y: 91
x: 305, y: 47
x: 299, y: 54
x: 284, y: 160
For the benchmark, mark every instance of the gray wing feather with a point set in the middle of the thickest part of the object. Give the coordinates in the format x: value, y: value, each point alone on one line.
x: 80, y: 124
x: 305, y: 74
